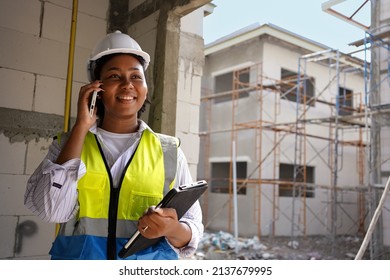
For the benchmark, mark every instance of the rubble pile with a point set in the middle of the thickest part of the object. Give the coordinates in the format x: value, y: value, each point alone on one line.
x: 223, y: 245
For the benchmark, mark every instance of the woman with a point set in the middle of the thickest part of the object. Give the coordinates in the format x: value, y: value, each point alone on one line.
x: 98, y: 179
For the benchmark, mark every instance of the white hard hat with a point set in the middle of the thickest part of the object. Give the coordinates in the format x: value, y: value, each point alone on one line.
x: 115, y: 42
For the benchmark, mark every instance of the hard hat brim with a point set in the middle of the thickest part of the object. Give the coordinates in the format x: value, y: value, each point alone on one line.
x: 90, y: 67
x: 142, y: 54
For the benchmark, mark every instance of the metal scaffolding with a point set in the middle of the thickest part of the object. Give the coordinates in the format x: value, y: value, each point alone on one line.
x: 301, y: 129
x: 353, y: 120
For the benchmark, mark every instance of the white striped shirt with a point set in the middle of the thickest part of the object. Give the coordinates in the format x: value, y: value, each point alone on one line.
x: 51, y: 191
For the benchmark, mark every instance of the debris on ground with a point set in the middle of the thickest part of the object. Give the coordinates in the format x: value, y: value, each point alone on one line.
x: 223, y: 245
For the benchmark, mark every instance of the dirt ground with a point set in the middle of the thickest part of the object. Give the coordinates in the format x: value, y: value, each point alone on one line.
x: 222, y: 245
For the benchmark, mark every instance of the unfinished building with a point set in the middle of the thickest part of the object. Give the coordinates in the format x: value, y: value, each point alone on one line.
x: 299, y: 130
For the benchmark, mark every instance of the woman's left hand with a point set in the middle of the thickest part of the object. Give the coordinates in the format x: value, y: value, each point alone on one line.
x: 157, y: 222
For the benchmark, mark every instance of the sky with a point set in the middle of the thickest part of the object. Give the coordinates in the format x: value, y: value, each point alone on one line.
x: 303, y: 17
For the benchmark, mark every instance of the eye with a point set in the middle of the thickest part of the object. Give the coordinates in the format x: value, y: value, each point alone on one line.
x: 136, y: 77
x: 113, y: 76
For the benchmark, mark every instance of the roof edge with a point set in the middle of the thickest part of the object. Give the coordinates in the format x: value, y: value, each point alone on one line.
x: 256, y: 30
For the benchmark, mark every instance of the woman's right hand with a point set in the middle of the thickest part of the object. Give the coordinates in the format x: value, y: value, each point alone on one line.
x: 74, y: 145
x: 83, y: 116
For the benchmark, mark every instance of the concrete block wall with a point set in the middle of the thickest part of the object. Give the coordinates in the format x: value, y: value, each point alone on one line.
x: 33, y: 68
x: 40, y: 52
x: 33, y: 71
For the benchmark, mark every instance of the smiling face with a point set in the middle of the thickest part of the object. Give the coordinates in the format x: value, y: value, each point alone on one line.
x: 124, y: 86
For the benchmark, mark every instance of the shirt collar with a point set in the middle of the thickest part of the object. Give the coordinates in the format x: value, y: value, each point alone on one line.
x: 141, y: 127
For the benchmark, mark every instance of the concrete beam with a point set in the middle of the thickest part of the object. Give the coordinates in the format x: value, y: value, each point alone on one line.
x: 118, y: 16
x: 24, y: 126
x: 179, y: 7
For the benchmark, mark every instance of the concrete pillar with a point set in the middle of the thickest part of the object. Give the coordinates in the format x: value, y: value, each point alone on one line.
x: 162, y: 116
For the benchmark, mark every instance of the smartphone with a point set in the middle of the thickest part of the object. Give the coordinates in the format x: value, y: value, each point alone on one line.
x: 93, y: 103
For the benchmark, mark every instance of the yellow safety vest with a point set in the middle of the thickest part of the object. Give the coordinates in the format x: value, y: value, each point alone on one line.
x: 149, y: 174
x: 142, y: 183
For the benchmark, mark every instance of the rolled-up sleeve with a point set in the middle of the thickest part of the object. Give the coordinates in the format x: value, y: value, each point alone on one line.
x: 193, y: 218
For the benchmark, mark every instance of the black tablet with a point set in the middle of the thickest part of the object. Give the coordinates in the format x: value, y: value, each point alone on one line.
x: 181, y: 199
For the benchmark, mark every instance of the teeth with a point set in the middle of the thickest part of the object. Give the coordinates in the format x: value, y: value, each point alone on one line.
x: 126, y: 97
